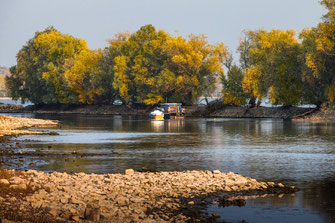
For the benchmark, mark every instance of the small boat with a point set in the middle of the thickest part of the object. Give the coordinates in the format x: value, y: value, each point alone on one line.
x: 168, y: 111
x: 157, y: 114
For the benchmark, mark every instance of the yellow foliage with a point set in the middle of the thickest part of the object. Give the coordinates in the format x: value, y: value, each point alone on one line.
x: 251, y: 81
x: 78, y: 77
x: 180, y: 80
x: 153, y: 99
x: 311, y: 63
x: 331, y: 93
x: 120, y: 76
x: 228, y: 98
x: 272, y: 94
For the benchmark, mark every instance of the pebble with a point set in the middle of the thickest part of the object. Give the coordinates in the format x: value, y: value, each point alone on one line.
x: 4, y: 181
x: 129, y: 171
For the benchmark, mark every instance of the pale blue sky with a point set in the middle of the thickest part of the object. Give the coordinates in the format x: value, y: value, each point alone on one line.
x: 98, y: 20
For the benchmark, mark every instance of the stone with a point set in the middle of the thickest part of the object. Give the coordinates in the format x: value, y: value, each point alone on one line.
x: 106, y: 216
x: 271, y: 184
x: 63, y: 200
x: 122, y: 201
x: 92, y: 212
x: 280, y: 195
x: 53, y: 212
x: 75, y: 218
x: 281, y: 185
x: 191, y: 203
x: 6, y: 221
x: 21, y: 187
x: 4, y: 181
x: 129, y: 172
x: 37, y: 204
x: 32, y: 172
x: 16, y: 180
x: 74, y: 200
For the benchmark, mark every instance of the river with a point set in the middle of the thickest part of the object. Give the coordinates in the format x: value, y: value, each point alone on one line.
x: 295, y: 153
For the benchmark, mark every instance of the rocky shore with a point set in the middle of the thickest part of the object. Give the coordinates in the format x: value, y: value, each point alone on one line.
x: 129, y: 197
x: 11, y: 126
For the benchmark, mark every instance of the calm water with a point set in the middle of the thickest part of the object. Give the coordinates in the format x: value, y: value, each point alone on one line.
x: 301, y: 154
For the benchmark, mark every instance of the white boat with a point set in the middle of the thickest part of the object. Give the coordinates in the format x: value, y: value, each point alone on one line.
x: 157, y: 114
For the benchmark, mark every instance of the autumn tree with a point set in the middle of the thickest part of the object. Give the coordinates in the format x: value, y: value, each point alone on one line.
x: 148, y: 66
x: 153, y: 67
x: 41, y: 64
x: 318, y: 44
x: 232, y: 90
x: 83, y: 75
x: 273, y: 69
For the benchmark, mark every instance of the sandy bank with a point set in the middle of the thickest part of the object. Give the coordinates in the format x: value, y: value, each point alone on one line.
x: 129, y: 197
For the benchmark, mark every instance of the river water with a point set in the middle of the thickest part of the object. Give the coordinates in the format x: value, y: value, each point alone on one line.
x: 295, y: 153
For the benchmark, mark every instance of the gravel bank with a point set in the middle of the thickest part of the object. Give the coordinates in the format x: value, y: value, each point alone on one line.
x: 130, y: 197
x: 10, y: 126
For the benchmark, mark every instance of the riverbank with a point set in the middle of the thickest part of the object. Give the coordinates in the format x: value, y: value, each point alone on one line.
x: 12, y: 126
x: 229, y: 111
x: 325, y: 114
x: 214, y: 110
x: 129, y: 197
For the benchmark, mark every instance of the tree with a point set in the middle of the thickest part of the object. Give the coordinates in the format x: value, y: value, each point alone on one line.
x: 318, y: 44
x: 83, y: 76
x: 148, y: 66
x: 106, y: 79
x: 273, y: 68
x: 232, y: 90
x: 196, y: 65
x: 153, y: 67
x: 41, y: 64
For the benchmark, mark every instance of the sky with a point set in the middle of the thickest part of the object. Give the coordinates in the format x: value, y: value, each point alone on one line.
x: 99, y: 20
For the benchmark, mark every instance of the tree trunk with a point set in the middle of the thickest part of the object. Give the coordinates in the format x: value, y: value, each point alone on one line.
x: 252, y: 102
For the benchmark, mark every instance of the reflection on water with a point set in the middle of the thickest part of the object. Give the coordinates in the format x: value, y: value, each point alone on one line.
x: 301, y: 154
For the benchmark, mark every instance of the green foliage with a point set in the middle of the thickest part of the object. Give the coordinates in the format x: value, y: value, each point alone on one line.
x: 151, y: 66
x: 274, y: 68
x: 41, y: 64
x: 232, y: 90
x: 83, y: 75
x: 318, y: 56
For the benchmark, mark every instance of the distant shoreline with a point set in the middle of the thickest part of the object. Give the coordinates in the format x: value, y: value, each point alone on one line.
x: 214, y: 111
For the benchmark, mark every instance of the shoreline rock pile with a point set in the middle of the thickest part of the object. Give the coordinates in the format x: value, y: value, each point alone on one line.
x: 133, y: 196
x: 10, y: 126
